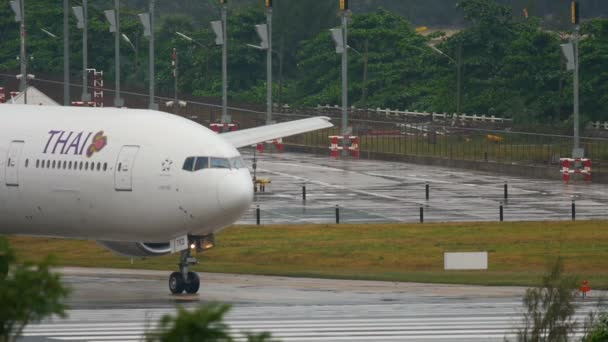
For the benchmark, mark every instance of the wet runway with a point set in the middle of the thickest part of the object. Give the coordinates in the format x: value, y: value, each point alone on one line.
x: 379, y: 191
x: 119, y: 305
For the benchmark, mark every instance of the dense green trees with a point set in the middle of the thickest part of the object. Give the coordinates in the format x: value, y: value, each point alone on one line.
x: 511, y: 66
x: 29, y: 292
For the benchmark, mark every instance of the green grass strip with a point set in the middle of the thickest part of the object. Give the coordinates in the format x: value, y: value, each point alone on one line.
x: 519, y: 252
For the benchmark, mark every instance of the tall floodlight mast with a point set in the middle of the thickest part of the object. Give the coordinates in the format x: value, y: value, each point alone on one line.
x: 221, y: 38
x: 66, y: 53
x: 268, y: 62
x: 340, y: 37
x: 174, y: 60
x: 571, y: 51
x: 578, y: 152
x: 18, y: 7
x: 113, y: 17
x: 81, y: 14
x: 264, y: 31
x: 147, y: 20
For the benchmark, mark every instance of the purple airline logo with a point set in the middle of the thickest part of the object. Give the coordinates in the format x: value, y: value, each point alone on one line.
x: 68, y: 142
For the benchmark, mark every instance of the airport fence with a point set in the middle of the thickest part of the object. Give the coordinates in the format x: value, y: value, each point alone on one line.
x: 440, y: 142
x: 503, y: 151
x: 468, y: 141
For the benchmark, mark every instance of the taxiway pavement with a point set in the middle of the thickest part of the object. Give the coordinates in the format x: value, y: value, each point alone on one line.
x: 119, y: 305
x: 370, y: 191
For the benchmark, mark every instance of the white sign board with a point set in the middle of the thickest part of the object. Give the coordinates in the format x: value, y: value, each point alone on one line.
x: 465, y: 261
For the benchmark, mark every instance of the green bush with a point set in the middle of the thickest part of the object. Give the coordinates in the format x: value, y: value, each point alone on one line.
x: 550, y: 308
x: 599, y: 330
x: 29, y: 292
x: 204, y: 324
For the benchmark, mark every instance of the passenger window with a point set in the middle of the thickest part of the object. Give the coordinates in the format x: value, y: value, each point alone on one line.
x: 48, y: 164
x: 70, y: 165
x: 65, y: 164
x: 119, y: 167
x: 220, y: 163
x: 37, y: 163
x: 201, y: 163
x: 27, y: 161
x: 53, y: 164
x: 80, y: 166
x: 189, y: 164
x: 98, y: 166
x: 105, y: 166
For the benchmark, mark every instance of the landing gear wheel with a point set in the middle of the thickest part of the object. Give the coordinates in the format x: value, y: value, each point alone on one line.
x: 193, y: 283
x: 176, y: 283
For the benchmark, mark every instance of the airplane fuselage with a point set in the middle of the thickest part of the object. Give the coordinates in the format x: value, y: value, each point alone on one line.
x: 115, y: 175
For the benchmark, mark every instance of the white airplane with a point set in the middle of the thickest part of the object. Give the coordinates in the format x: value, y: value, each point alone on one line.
x: 142, y: 183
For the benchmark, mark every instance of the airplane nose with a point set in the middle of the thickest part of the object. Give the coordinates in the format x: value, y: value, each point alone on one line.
x: 235, y: 192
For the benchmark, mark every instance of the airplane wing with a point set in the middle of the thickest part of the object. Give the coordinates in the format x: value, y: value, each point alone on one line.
x: 256, y: 135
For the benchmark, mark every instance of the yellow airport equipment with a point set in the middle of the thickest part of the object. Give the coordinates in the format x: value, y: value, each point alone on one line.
x: 494, y: 138
x: 260, y: 184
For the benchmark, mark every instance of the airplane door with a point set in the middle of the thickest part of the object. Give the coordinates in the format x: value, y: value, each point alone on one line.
x: 123, y: 174
x: 12, y: 163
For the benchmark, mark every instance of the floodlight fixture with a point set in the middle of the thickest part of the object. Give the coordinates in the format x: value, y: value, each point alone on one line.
x: 126, y: 39
x: 575, y: 13
x: 188, y: 38
x: 111, y: 17
x: 343, y: 5
x: 52, y: 35
x: 16, y: 6
x: 219, y: 31
x: 338, y: 37
x: 568, y: 51
x: 79, y: 14
x: 262, y: 31
x: 145, y: 21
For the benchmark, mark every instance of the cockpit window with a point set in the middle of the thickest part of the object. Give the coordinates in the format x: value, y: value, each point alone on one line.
x: 201, y: 163
x: 189, y: 164
x: 220, y: 163
x: 237, y: 163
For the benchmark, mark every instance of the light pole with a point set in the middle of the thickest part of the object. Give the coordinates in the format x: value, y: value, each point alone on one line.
x: 458, y: 64
x: 18, y: 7
x: 113, y: 17
x: 147, y: 19
x: 66, y: 53
x: 571, y: 51
x: 340, y: 37
x: 225, y: 117
x: 81, y: 14
x: 190, y: 39
x: 175, y: 74
x: 344, y: 10
x: 220, y: 28
x: 269, y: 63
x: 265, y: 33
x: 577, y: 151
x: 175, y: 103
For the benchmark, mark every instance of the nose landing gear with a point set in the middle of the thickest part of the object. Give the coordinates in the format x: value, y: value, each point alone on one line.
x: 184, y: 280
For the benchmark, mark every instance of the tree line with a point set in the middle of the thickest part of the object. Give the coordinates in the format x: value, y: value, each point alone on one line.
x: 510, y: 65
